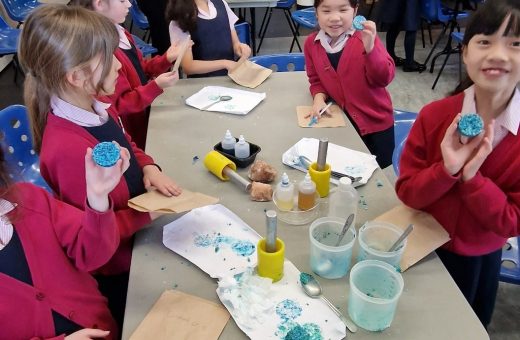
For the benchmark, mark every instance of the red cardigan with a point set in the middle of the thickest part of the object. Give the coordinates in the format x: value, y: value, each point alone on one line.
x: 358, y: 85
x: 62, y: 165
x: 130, y: 98
x: 479, y: 214
x: 61, y: 244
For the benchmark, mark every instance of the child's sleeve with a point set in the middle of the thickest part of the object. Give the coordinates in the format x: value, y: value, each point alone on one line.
x: 314, y: 79
x: 379, y: 67
x: 153, y: 66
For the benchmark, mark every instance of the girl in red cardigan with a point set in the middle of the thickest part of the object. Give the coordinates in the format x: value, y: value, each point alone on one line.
x: 352, y: 68
x: 47, y: 248
x: 473, y: 187
x: 68, y: 53
x: 140, y: 80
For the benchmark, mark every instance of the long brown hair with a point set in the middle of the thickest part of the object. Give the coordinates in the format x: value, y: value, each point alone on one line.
x: 54, y: 40
x: 184, y: 12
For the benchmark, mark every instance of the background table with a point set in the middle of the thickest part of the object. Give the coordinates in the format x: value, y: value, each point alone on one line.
x: 431, y: 306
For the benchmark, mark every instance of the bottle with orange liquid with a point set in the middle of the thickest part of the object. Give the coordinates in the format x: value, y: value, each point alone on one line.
x: 306, y: 193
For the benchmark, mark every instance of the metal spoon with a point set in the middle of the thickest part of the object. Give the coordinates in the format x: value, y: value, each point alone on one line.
x: 346, y: 227
x: 313, y: 289
x: 401, y: 238
x: 220, y: 99
x: 306, y: 162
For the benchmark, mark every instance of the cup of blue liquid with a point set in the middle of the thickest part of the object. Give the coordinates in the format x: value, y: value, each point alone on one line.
x: 376, y: 238
x: 326, y: 259
x: 375, y: 288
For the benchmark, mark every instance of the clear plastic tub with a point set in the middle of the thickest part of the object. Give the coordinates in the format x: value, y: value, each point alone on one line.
x: 375, y: 238
x: 296, y: 216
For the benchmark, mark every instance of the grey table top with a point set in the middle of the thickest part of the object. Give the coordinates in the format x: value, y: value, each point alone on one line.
x: 251, y: 3
x: 431, y: 306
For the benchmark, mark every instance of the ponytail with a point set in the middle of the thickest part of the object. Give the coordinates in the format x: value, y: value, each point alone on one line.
x: 37, y: 101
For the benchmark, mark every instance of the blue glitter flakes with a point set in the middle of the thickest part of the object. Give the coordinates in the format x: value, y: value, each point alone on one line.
x: 297, y: 333
x: 203, y: 240
x: 106, y: 154
x: 470, y: 125
x: 357, y: 22
x: 305, y: 278
x: 243, y: 248
x: 288, y: 310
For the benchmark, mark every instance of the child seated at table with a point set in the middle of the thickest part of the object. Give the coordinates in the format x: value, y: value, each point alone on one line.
x: 472, y: 187
x: 352, y: 68
x: 140, y: 80
x: 215, y: 41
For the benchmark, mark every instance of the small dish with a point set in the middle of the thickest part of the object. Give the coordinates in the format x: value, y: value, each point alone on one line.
x: 240, y: 162
x: 296, y: 216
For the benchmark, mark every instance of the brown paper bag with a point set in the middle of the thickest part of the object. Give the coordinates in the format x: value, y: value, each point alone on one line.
x: 154, y: 201
x: 335, y: 119
x: 426, y: 236
x: 249, y: 74
x: 180, y: 316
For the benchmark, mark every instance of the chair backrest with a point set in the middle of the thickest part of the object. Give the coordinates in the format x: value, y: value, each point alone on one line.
x: 403, y: 121
x: 281, y: 62
x: 8, y: 38
x: 429, y: 10
x: 146, y: 49
x: 138, y: 16
x: 396, y: 156
x: 16, y: 141
x: 244, y: 32
x: 510, y: 268
x: 305, y: 17
x: 17, y: 10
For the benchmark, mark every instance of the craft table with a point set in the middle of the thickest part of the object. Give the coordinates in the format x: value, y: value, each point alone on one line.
x: 431, y: 306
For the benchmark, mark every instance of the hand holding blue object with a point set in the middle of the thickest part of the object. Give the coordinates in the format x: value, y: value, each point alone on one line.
x: 314, y: 119
x: 357, y: 23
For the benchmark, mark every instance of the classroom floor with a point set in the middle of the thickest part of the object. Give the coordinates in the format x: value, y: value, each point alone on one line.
x: 410, y: 91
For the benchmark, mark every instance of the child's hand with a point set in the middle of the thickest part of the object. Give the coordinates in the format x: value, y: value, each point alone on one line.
x: 101, y: 181
x: 167, y: 79
x: 483, y: 150
x: 154, y: 177
x: 368, y: 35
x: 455, y: 154
x: 230, y: 65
x: 242, y: 50
x: 174, y: 50
x: 88, y: 334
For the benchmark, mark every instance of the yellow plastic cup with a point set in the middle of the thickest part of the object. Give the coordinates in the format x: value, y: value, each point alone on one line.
x: 216, y: 162
x: 321, y: 178
x: 271, y: 264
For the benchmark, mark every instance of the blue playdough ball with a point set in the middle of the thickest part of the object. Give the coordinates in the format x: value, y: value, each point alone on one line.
x: 357, y: 23
x: 470, y: 125
x: 106, y: 154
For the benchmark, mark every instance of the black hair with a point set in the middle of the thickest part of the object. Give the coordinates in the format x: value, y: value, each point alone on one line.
x: 184, y: 12
x: 353, y: 3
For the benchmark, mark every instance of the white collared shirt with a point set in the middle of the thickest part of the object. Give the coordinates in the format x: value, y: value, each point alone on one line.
x: 6, y: 228
x: 507, y: 121
x: 78, y: 115
x: 325, y: 40
x: 124, y: 43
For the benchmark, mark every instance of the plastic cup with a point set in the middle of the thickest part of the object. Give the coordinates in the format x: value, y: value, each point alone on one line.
x: 375, y: 288
x: 375, y: 238
x: 326, y: 259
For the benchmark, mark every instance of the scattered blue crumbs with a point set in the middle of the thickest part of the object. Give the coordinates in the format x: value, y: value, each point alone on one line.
x: 288, y: 310
x: 357, y: 22
x: 163, y: 268
x: 470, y: 125
x: 297, y: 333
x: 240, y: 247
x: 363, y: 203
x: 203, y: 240
x: 305, y: 278
x: 379, y: 184
x: 195, y: 159
x: 106, y: 154
x: 243, y: 248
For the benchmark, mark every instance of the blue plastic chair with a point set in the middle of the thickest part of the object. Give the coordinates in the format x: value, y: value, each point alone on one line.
x: 510, y: 269
x: 17, y: 10
x: 22, y: 161
x: 146, y: 49
x: 244, y: 32
x: 286, y: 6
x: 403, y: 121
x: 140, y: 20
x: 9, y: 42
x: 281, y: 62
x: 306, y: 18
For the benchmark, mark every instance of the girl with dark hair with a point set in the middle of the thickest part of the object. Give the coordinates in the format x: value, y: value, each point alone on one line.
x: 352, y: 68
x: 215, y: 41
x: 472, y: 187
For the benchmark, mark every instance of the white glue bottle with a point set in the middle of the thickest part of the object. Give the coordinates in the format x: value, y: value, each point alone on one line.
x: 242, y: 148
x: 285, y: 194
x: 228, y: 143
x: 344, y: 201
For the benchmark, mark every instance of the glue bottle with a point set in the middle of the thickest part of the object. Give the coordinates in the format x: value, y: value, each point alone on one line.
x: 242, y: 148
x: 306, y: 193
x: 344, y: 201
x: 285, y: 194
x: 228, y: 143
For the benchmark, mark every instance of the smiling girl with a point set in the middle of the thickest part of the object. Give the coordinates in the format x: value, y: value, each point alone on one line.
x: 352, y: 68
x: 473, y: 189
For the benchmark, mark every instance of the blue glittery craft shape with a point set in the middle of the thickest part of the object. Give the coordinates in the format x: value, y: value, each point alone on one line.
x: 470, y: 125
x: 357, y: 22
x: 106, y: 154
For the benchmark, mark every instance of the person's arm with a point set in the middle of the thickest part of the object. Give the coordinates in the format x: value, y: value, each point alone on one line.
x: 379, y: 65
x: 192, y: 66
x: 318, y: 92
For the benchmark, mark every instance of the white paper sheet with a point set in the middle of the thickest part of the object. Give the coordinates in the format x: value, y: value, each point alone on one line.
x: 287, y: 307
x: 214, y: 239
x: 240, y: 104
x: 341, y: 159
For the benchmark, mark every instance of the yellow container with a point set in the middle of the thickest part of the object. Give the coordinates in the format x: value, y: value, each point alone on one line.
x: 216, y: 162
x: 271, y: 264
x: 321, y: 178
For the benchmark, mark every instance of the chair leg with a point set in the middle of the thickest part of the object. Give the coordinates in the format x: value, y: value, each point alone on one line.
x: 292, y: 26
x: 435, y: 45
x: 295, y: 38
x: 261, y: 34
x: 448, y: 53
x: 422, y: 35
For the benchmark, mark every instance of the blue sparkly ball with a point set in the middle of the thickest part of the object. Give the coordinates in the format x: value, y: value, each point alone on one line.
x: 106, y: 154
x: 470, y: 125
x: 357, y: 22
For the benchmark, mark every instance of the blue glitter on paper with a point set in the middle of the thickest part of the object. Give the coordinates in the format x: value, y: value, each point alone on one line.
x: 203, y: 240
x: 288, y: 310
x: 243, y: 248
x: 297, y: 333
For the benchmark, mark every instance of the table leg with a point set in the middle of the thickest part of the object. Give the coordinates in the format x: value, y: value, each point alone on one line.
x: 253, y: 30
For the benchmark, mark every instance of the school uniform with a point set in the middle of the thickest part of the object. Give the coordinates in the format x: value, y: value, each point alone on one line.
x: 135, y: 91
x: 357, y: 84
x: 47, y: 249
x: 480, y: 214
